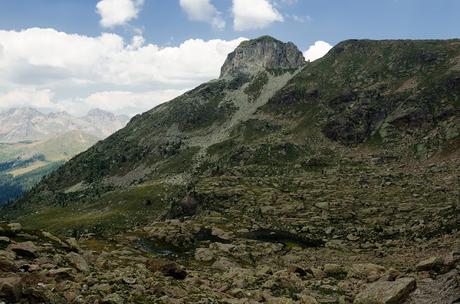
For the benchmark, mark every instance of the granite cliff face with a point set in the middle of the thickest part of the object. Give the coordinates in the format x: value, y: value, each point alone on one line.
x: 264, y: 53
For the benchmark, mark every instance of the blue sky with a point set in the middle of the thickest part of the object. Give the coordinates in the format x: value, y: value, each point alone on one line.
x: 163, y: 21
x: 129, y: 55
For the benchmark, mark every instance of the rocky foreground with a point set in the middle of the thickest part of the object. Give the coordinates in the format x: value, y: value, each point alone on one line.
x: 38, y: 267
x: 377, y: 234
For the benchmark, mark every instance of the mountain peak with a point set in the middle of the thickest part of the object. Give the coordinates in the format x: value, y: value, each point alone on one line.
x: 26, y: 110
x: 262, y: 53
x: 99, y: 112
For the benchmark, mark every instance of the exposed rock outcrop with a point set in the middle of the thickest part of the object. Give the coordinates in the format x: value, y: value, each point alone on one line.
x: 264, y: 53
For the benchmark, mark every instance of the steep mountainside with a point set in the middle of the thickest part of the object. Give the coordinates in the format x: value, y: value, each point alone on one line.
x: 335, y: 181
x: 397, y: 97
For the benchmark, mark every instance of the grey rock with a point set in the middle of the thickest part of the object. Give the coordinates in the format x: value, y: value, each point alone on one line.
x: 445, y: 289
x: 204, y: 255
x: 25, y: 249
x: 431, y: 263
x: 260, y: 54
x: 113, y: 298
x: 10, y: 288
x: 78, y: 262
x: 386, y: 292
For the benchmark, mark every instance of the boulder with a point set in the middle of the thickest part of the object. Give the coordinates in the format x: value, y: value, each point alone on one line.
x: 368, y: 271
x: 15, y: 227
x: 54, y: 238
x: 25, y: 249
x: 444, y: 289
x: 334, y: 270
x: 386, y: 292
x: 4, y: 241
x: 7, y: 265
x: 61, y: 273
x: 73, y: 243
x: 167, y: 268
x: 113, y: 298
x: 432, y: 263
x: 306, y: 299
x: 204, y: 255
x: 10, y: 289
x: 78, y: 262
x: 224, y: 264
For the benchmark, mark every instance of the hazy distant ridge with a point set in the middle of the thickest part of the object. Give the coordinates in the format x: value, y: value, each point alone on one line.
x: 29, y: 124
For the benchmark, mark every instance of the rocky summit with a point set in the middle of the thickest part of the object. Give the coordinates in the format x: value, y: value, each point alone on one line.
x: 283, y: 181
x: 264, y: 53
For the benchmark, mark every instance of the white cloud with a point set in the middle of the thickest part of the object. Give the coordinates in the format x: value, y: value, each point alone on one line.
x: 130, y: 102
x: 254, y: 14
x: 27, y: 97
x: 317, y: 50
x: 118, y: 12
x: 70, y: 67
x: 203, y: 10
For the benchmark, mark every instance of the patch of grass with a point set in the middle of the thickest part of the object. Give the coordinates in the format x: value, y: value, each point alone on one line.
x: 254, y: 89
x: 114, y: 211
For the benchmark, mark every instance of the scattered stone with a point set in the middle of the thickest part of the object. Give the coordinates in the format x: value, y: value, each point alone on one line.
x: 386, y: 292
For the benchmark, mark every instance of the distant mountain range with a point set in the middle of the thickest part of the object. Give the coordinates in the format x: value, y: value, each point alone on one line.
x: 29, y: 124
x: 33, y: 144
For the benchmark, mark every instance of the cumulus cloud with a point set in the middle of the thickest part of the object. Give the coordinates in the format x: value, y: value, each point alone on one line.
x: 123, y: 102
x: 254, y: 14
x: 130, y: 102
x: 203, y: 10
x: 118, y: 12
x: 27, y: 97
x: 67, y: 66
x: 317, y: 50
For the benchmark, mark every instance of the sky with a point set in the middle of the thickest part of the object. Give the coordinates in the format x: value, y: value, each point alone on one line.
x: 127, y: 56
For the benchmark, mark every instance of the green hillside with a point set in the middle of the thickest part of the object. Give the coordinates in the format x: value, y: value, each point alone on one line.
x: 23, y: 165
